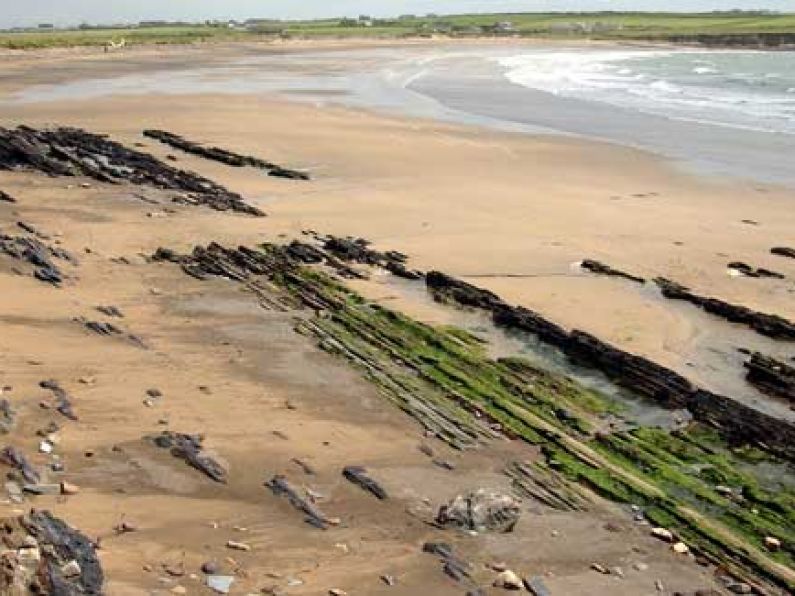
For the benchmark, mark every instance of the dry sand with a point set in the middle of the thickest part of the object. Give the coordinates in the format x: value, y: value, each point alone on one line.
x: 469, y: 202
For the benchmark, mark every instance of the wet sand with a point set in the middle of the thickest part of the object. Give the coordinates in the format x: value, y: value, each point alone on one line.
x: 471, y: 202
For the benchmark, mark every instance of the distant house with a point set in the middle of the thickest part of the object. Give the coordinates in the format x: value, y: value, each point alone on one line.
x: 46, y: 26
x: 504, y: 27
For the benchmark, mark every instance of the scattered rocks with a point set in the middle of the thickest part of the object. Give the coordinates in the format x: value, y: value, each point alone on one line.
x: 38, y: 254
x: 358, y: 476
x: 13, y: 457
x: 63, y: 400
x: 190, y: 449
x: 75, y: 152
x: 224, y: 156
x: 481, y: 511
x: 110, y: 311
x: 602, y: 269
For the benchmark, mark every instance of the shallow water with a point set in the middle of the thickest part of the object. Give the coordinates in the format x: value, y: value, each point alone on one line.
x: 716, y: 112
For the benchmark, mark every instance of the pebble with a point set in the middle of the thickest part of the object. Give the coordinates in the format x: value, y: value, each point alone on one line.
x: 238, y: 546
x: 663, y: 534
x: 640, y: 566
x: 220, y: 583
x: 509, y: 581
x: 179, y: 590
x: 772, y: 543
x: 45, y: 447
x: 680, y: 548
x: 337, y: 592
x: 71, y: 569
x: 599, y: 568
x: 659, y: 585
x: 68, y: 488
x: 210, y: 568
x: 389, y: 580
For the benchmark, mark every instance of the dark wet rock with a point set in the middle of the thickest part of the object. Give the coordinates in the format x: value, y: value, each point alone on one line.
x: 783, y: 251
x: 223, y: 156
x: 190, y: 449
x: 305, y: 253
x: 14, y: 458
x: 749, y: 271
x: 63, y: 400
x: 771, y: 376
x: 6, y: 198
x: 602, y: 269
x: 764, y: 324
x: 39, y: 255
x: 281, y: 487
x: 357, y: 250
x: 738, y: 423
x: 49, y: 557
x: 358, y: 476
x: 110, y: 311
x: 75, y: 152
x: 481, y: 511
x: 454, y: 566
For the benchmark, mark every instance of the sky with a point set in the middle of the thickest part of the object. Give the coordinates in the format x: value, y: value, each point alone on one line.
x: 71, y: 12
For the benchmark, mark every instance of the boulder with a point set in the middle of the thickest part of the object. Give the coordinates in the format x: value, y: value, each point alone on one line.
x: 481, y: 511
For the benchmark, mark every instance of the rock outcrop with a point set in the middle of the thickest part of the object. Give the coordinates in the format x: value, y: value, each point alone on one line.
x: 602, y: 269
x: 771, y: 376
x: 481, y: 511
x: 222, y: 155
x: 75, y: 152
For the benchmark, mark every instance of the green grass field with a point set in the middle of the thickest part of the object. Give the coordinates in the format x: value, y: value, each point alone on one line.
x: 644, y: 26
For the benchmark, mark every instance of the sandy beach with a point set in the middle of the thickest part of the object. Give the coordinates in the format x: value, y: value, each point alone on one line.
x: 513, y: 213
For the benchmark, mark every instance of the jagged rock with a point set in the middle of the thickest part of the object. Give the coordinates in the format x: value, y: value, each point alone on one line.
x: 764, y: 324
x: 602, y: 269
x: 75, y: 152
x: 222, y: 155
x: 783, y: 251
x: 359, y: 477
x: 38, y: 254
x: 481, y: 511
x: 55, y: 559
x: 282, y: 488
x: 189, y: 448
x: 771, y: 376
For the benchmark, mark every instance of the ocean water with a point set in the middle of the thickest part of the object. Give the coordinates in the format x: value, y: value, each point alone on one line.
x: 742, y: 89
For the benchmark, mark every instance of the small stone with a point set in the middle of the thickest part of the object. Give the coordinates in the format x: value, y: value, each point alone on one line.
x: 87, y: 380
x: 154, y: 393
x: 658, y: 585
x: 617, y: 571
x: 389, y: 580
x: 508, y: 580
x: 663, y: 534
x: 125, y: 527
x: 210, y: 568
x: 242, y: 546
x: 337, y: 592
x: 179, y: 590
x: 772, y: 543
x: 45, y: 447
x: 600, y: 568
x: 68, y: 488
x: 680, y: 548
x: 220, y: 583
x: 71, y: 569
x: 42, y: 489
x: 498, y: 566
x: 639, y: 566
